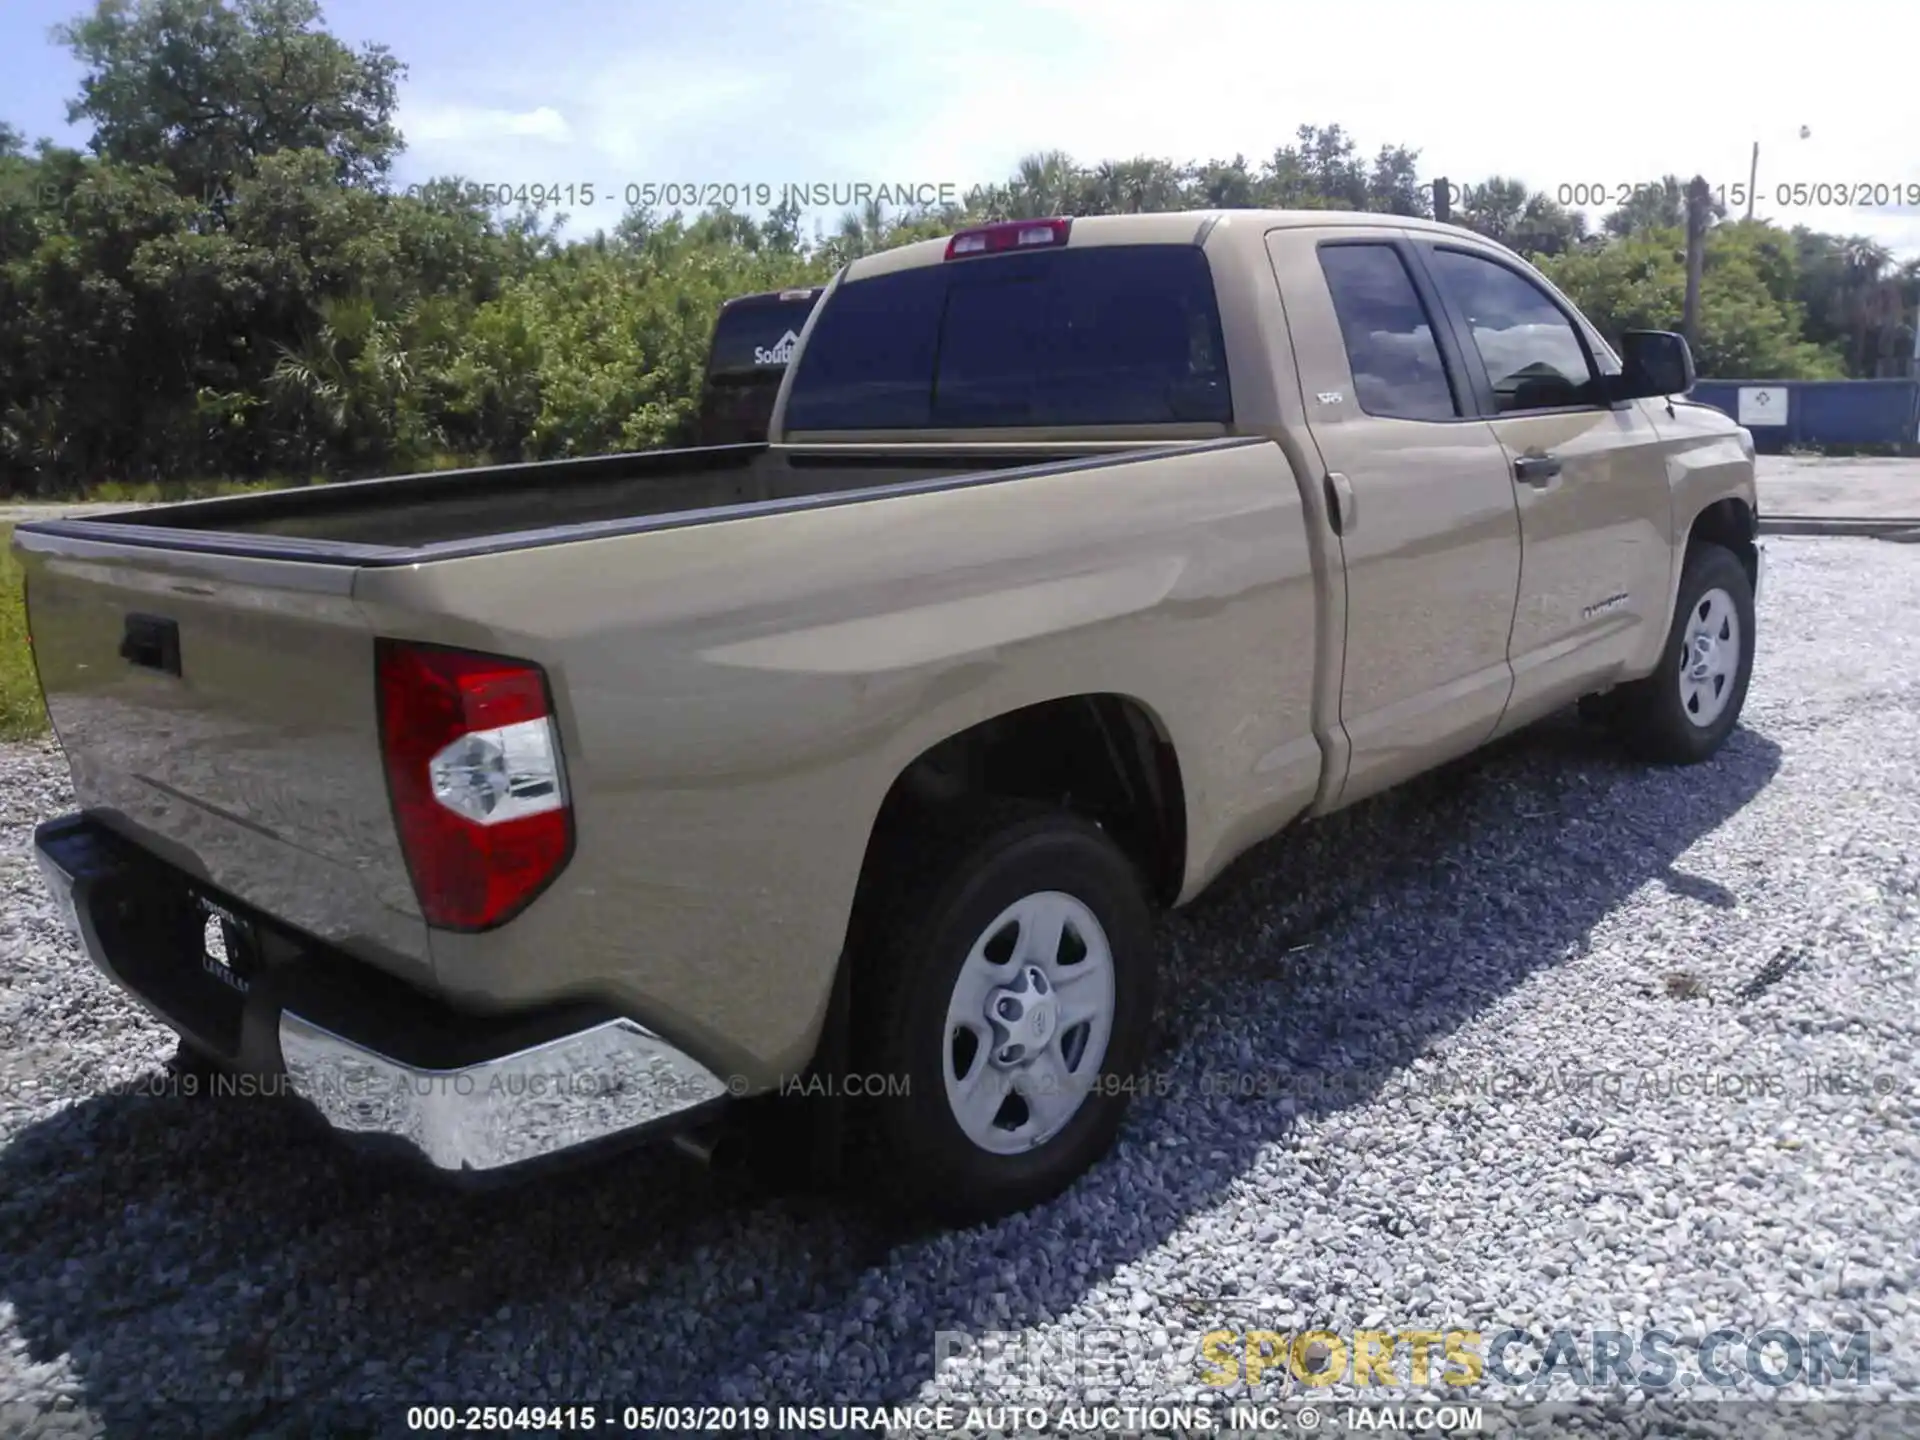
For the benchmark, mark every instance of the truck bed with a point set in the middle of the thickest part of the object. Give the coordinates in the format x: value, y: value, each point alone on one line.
x: 440, y: 514
x: 209, y: 667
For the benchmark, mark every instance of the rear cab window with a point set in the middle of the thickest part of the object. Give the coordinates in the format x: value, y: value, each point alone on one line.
x: 1096, y: 336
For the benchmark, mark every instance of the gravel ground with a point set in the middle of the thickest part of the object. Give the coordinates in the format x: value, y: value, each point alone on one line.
x: 1647, y: 967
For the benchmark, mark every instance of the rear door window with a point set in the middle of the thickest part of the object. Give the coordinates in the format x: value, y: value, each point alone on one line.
x: 1395, y: 361
x: 1110, y: 335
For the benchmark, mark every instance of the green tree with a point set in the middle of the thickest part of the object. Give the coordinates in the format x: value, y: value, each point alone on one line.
x: 605, y: 350
x: 222, y: 284
x: 345, y: 381
x: 1131, y: 187
x: 1504, y: 209
x: 1855, y: 299
x: 1395, y: 185
x: 1639, y: 283
x: 207, y: 89
x: 1493, y: 208
x: 1655, y: 207
x: 1321, y: 171
x: 860, y: 232
x: 1226, y: 185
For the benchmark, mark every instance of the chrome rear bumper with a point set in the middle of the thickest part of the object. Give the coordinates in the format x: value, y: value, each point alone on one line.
x: 377, y: 1060
x: 613, y: 1079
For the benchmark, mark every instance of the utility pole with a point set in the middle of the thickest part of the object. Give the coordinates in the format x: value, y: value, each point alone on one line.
x: 1442, y: 200
x: 1753, y: 170
x: 1699, y: 202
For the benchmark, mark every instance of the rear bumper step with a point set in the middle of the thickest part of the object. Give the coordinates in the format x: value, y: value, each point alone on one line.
x: 380, y: 1062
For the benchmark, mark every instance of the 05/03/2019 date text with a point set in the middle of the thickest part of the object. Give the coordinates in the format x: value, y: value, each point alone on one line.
x: 1788, y: 194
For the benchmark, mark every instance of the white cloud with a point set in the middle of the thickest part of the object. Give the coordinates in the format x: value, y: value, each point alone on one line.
x: 1616, y: 97
x: 457, y: 124
x: 661, y: 114
x: 868, y: 90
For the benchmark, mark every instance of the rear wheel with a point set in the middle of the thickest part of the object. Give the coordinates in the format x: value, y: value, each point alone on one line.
x: 1684, y: 710
x: 191, y: 1065
x: 1003, y: 994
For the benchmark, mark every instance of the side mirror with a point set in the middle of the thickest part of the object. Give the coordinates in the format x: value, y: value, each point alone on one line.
x: 1654, y: 362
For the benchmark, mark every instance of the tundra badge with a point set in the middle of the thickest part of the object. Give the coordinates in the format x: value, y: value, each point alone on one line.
x: 1600, y: 607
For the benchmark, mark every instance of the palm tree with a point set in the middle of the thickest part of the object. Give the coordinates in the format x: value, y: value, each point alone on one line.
x: 1131, y: 187
x: 1650, y: 207
x: 1048, y: 183
x: 1865, y: 301
x: 1495, y: 209
x: 1226, y: 186
x: 345, y: 378
x: 860, y: 232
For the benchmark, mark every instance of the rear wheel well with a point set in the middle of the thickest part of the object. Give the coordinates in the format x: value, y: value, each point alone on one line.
x: 1099, y: 756
x: 1730, y: 524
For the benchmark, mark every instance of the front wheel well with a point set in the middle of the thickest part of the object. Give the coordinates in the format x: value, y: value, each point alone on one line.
x: 1104, y: 757
x: 1730, y: 524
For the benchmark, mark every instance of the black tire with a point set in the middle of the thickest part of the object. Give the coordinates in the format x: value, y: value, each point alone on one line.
x: 1649, y: 715
x: 189, y: 1063
x: 1599, y: 709
x: 938, y: 884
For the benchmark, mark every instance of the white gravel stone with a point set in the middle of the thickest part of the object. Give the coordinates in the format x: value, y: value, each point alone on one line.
x: 1550, y: 1040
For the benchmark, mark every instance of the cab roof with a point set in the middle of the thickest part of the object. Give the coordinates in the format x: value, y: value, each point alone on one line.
x: 1180, y: 227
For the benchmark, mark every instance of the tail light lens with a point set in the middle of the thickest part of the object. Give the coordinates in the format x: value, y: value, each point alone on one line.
x: 473, y: 769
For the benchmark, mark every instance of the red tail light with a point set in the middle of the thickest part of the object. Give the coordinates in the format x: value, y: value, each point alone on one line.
x: 1008, y: 235
x: 473, y: 768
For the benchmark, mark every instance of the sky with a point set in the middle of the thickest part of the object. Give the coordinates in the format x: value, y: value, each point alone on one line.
x: 929, y: 93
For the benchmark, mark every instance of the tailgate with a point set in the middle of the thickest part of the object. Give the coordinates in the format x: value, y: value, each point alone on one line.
x: 219, y: 710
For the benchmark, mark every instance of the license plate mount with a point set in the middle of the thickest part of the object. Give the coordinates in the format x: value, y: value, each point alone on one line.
x: 229, y: 950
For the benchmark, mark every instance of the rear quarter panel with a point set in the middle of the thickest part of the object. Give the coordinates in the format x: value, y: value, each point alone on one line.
x: 737, y: 698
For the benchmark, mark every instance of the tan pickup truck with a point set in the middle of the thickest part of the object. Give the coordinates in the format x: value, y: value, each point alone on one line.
x: 502, y: 813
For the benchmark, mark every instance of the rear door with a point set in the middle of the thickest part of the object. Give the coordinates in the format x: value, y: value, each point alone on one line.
x: 1429, y: 531
x: 1590, y: 478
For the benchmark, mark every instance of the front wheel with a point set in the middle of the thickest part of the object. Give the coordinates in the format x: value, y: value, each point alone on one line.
x: 1684, y: 710
x: 1008, y: 988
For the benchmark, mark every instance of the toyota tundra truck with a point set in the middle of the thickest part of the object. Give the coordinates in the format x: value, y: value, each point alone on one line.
x: 504, y: 814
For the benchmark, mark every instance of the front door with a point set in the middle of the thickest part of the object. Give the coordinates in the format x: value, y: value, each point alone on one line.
x: 1590, y: 477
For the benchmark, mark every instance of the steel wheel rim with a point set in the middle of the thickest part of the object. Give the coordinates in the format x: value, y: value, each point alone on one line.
x: 1709, y: 658
x: 1028, y: 1023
